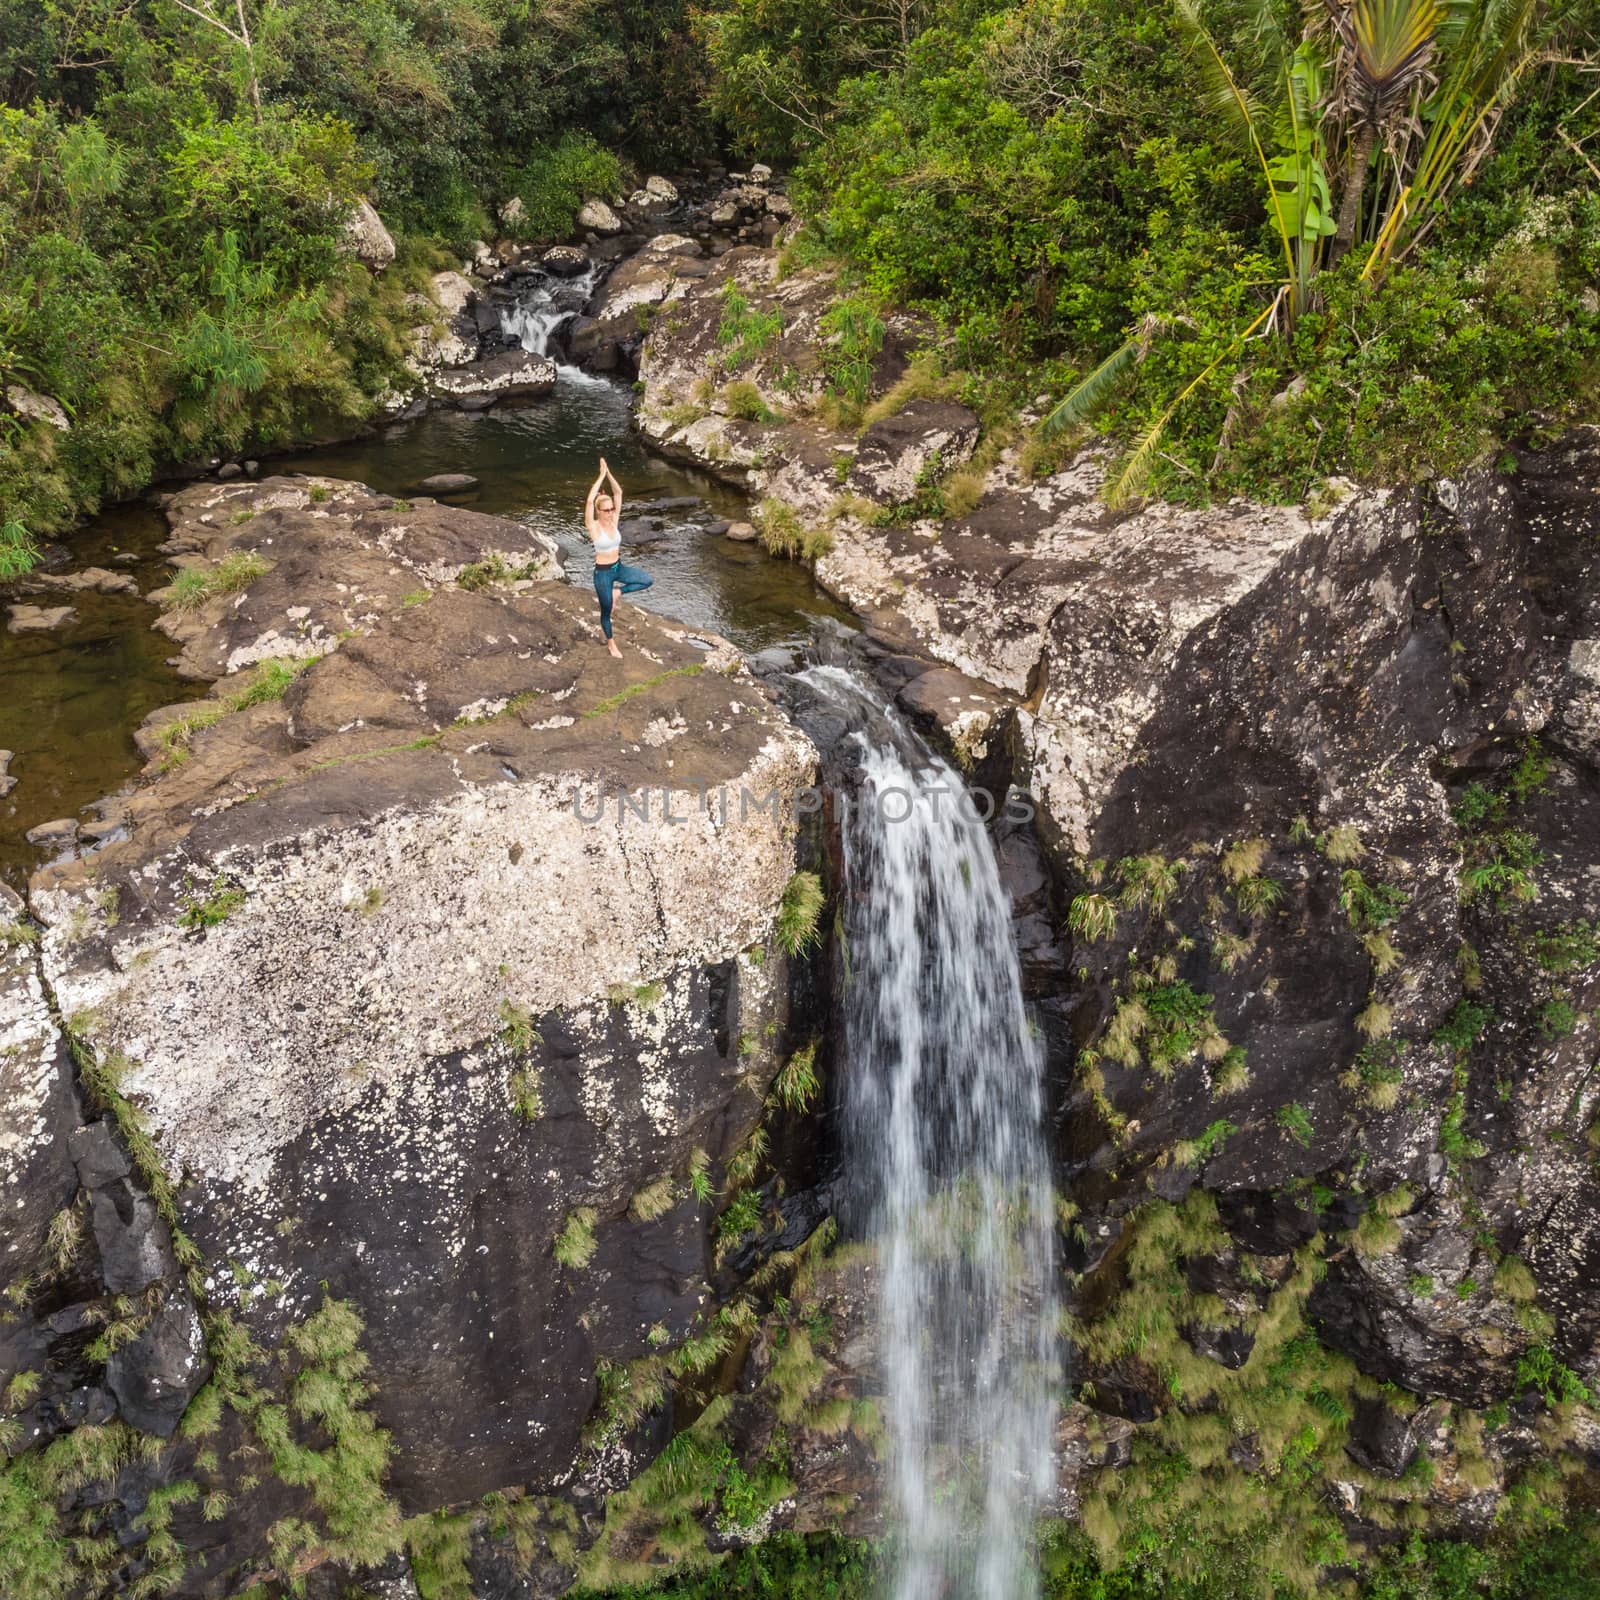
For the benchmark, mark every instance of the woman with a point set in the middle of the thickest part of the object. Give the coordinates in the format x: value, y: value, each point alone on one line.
x: 601, y: 514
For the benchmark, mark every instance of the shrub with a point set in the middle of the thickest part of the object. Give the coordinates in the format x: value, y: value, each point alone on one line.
x: 797, y: 1084
x: 1554, y: 1380
x: 554, y: 182
x: 799, y: 926
x: 1369, y: 906
x: 783, y: 534
x: 1564, y: 948
x: 744, y: 401
x: 1514, y: 1281
x: 1293, y: 1120
x: 575, y: 1245
x: 214, y: 908
x: 1092, y: 917
x: 653, y: 1200
x: 19, y: 553
x: 1148, y: 881
x: 745, y: 335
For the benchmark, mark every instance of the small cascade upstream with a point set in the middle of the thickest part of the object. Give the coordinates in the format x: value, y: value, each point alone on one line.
x: 543, y: 304
x: 946, y: 1154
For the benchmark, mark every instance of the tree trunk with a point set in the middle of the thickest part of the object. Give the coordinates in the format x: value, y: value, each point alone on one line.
x: 1350, y: 205
x: 250, y: 52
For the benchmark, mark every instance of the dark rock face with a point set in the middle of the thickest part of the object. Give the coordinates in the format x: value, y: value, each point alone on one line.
x: 135, y: 1247
x: 1381, y: 1439
x: 1385, y: 664
x: 155, y: 1377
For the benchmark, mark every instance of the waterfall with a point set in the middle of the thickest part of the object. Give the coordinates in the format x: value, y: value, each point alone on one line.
x: 943, y: 1124
x: 543, y: 304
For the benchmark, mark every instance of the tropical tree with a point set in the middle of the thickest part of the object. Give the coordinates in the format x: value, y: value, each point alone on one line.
x: 1488, y: 47
x: 1385, y: 50
x: 1425, y: 80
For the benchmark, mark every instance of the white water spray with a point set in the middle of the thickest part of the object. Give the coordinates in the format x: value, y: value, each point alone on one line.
x: 944, y: 1119
x: 543, y: 304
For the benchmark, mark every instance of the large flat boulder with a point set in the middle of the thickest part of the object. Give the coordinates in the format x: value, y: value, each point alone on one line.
x: 513, y: 375
x: 398, y: 993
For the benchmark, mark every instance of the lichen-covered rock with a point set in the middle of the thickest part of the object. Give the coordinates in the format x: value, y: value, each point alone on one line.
x: 658, y: 273
x: 400, y: 997
x: 451, y: 338
x: 920, y: 443
x: 512, y: 375
x: 297, y: 563
x: 366, y: 238
x: 597, y: 217
x: 38, y: 1105
x: 34, y: 407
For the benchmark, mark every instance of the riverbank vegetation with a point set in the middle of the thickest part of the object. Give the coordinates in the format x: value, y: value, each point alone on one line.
x: 1555, y: 1560
x: 1259, y: 247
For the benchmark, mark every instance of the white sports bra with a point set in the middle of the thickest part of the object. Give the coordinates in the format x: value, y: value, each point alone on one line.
x: 606, y: 543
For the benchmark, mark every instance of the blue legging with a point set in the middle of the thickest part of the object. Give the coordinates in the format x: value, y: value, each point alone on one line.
x: 632, y: 580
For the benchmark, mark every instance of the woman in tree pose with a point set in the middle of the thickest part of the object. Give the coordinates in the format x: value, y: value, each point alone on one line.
x: 601, y: 514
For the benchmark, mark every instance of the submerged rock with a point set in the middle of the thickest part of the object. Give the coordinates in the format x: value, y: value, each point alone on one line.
x: 38, y: 619
x: 52, y: 835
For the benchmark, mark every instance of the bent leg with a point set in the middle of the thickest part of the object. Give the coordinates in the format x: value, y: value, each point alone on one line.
x: 604, y: 577
x: 633, y: 579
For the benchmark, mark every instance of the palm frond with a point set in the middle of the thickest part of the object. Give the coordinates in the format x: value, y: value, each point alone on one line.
x: 1136, y: 467
x: 1221, y: 90
x: 1387, y: 36
x: 1088, y: 396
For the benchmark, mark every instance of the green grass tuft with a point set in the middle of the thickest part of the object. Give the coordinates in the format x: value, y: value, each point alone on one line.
x: 193, y: 586
x: 575, y: 1245
x: 800, y: 914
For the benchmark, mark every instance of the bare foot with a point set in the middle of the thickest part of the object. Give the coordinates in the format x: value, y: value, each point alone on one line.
x: 611, y: 646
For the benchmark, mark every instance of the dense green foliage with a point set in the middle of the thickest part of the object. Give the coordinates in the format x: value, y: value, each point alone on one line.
x: 1053, y: 178
x: 1555, y: 1562
x: 1054, y: 182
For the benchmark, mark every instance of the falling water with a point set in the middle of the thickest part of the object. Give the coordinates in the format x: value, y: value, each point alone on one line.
x: 543, y: 304
x: 944, y: 1123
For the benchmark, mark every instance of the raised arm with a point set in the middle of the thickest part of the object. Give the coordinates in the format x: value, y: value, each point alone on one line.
x: 616, y: 488
x: 588, y: 505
